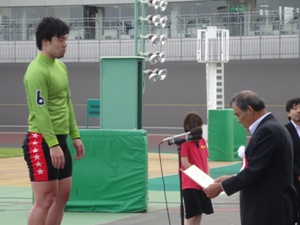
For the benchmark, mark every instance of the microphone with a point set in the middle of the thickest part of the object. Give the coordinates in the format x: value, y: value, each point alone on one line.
x: 193, y: 134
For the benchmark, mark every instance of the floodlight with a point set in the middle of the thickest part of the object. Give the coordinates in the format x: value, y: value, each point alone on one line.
x: 153, y: 57
x: 155, y: 39
x: 163, y: 38
x: 154, y: 3
x: 163, y: 5
x: 163, y: 74
x: 155, y: 71
x: 161, y: 56
x: 152, y: 19
x: 153, y: 76
x: 156, y: 74
x: 163, y: 21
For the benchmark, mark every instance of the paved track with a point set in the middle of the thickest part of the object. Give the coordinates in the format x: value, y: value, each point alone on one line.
x: 16, y: 196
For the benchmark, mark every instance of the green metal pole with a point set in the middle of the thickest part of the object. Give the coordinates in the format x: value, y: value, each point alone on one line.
x: 136, y: 25
x: 143, y: 41
x: 143, y: 31
x: 137, y: 21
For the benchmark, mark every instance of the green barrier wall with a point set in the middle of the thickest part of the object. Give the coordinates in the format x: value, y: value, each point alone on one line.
x: 239, y: 137
x: 225, y: 135
x: 113, y: 175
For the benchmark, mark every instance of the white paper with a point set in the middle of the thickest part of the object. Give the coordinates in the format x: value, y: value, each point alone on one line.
x: 198, y: 176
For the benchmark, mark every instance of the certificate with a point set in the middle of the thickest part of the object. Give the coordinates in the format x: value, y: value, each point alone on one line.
x: 198, y: 176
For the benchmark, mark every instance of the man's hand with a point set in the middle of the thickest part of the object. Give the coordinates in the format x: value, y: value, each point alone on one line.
x: 57, y: 157
x: 215, y: 189
x: 80, y: 151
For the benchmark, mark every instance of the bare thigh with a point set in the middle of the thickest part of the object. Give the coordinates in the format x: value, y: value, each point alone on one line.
x: 44, y: 191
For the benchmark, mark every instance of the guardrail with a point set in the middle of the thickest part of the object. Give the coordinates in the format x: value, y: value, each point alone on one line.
x: 243, y: 47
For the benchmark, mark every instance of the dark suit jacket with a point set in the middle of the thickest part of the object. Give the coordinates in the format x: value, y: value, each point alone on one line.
x: 296, y: 167
x: 296, y: 144
x: 267, y: 193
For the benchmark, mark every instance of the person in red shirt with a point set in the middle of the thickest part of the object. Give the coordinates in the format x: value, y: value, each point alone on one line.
x: 194, y: 152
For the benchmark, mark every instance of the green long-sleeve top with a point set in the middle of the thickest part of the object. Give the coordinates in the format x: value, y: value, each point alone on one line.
x: 50, y: 107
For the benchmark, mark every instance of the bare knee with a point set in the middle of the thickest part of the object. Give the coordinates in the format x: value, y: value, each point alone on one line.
x: 62, y: 198
x: 45, y: 200
x: 193, y: 220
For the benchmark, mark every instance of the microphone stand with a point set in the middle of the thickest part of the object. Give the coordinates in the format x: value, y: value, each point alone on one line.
x: 180, y: 183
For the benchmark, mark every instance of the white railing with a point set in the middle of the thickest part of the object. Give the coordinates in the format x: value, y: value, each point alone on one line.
x: 246, y: 47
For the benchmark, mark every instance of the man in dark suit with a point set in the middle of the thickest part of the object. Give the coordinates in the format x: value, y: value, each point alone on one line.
x: 293, y: 113
x: 267, y: 193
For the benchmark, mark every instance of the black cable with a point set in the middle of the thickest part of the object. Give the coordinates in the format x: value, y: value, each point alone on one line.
x: 163, y: 181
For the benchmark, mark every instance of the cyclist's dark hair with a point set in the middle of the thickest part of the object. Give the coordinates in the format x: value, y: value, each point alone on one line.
x: 50, y: 27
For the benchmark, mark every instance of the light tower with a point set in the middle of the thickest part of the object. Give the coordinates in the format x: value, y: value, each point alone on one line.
x: 213, y: 49
x: 141, y: 19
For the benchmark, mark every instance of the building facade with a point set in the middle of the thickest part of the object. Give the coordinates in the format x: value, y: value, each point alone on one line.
x: 114, y: 19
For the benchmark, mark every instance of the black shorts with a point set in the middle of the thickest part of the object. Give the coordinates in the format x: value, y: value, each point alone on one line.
x: 37, y: 156
x: 196, y: 203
